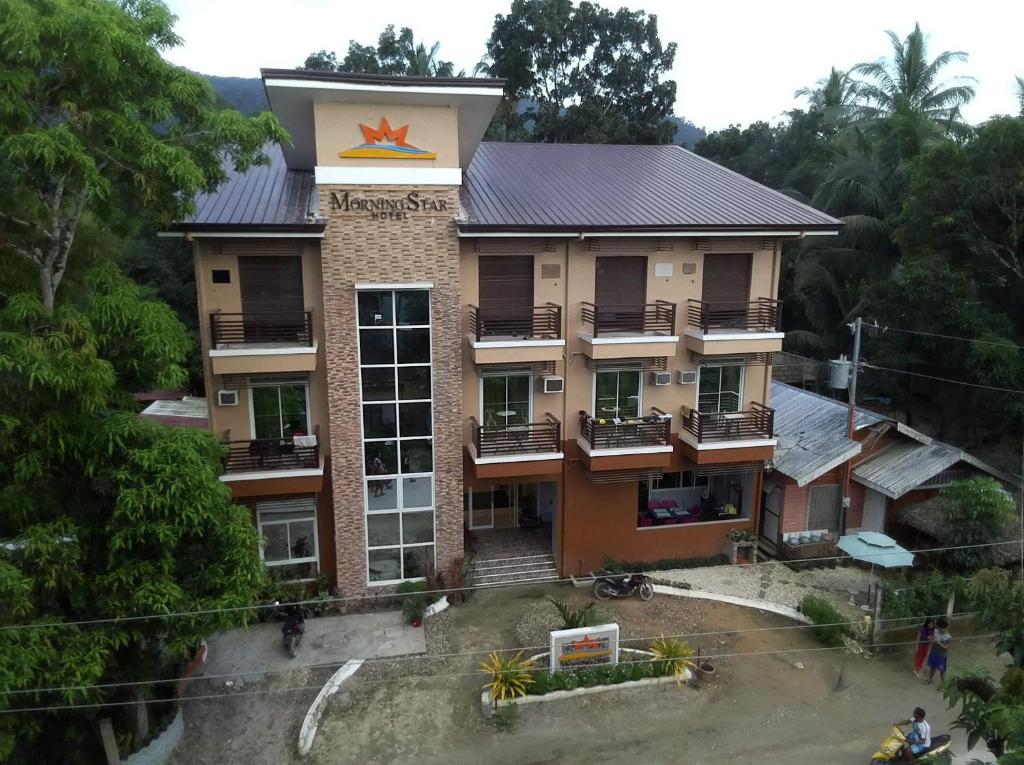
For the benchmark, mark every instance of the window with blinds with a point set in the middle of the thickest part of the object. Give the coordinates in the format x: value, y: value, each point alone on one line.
x: 823, y: 508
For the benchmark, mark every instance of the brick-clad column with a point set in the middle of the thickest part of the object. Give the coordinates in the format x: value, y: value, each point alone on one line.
x: 421, y: 247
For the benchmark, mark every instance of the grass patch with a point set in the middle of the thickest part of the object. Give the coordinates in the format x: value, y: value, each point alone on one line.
x: 829, y: 625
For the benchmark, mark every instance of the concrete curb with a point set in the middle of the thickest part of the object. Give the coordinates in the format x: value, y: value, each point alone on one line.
x: 312, y: 719
x: 761, y: 605
x: 487, y: 706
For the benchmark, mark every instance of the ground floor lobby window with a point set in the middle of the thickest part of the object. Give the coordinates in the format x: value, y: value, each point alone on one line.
x: 687, y: 498
x: 290, y: 545
x: 510, y: 505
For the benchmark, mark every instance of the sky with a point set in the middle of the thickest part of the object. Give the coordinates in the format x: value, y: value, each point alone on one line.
x: 738, y: 61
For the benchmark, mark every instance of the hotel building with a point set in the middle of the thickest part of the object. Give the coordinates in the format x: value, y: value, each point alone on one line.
x: 414, y: 340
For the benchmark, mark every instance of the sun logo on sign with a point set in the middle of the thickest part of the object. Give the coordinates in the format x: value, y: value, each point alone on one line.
x: 385, y: 142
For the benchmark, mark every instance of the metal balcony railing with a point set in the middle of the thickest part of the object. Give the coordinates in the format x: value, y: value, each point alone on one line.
x: 528, y: 438
x: 762, y: 315
x: 293, y: 328
x: 616, y: 433
x: 273, y: 454
x: 756, y: 423
x: 528, y: 322
x: 657, y: 318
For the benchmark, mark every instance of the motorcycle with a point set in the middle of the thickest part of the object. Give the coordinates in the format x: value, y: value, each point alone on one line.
x: 608, y: 586
x: 293, y: 628
x: 889, y: 751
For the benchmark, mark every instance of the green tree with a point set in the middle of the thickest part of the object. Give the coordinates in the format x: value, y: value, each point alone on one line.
x: 394, y: 54
x: 584, y: 73
x: 907, y: 91
x: 835, y: 97
x: 103, y: 515
x: 976, y: 512
x: 992, y: 710
x: 93, y: 119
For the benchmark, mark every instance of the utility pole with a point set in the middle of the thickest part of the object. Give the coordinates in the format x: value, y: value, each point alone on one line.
x: 855, y: 328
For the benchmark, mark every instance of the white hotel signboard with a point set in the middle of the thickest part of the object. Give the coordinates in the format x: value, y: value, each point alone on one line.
x: 585, y: 646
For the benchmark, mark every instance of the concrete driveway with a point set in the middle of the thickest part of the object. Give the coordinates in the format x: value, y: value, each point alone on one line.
x: 328, y: 640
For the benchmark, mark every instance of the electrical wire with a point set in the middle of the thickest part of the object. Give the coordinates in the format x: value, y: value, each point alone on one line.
x: 948, y: 337
x: 450, y: 655
x: 445, y: 591
x: 866, y: 365
x: 476, y: 673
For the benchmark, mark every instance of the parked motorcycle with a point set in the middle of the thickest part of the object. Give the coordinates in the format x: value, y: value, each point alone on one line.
x: 889, y: 751
x: 293, y: 628
x: 608, y: 586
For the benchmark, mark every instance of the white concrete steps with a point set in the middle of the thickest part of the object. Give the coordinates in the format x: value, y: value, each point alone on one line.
x: 525, y: 569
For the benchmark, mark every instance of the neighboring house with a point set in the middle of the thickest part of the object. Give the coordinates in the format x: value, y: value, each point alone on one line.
x: 893, y: 466
x: 184, y: 412
x: 408, y: 334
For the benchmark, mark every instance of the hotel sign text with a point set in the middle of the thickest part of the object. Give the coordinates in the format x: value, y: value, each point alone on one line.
x: 387, y: 208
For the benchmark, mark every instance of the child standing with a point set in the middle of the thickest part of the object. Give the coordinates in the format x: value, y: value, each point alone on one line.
x: 939, y: 651
x: 924, y: 642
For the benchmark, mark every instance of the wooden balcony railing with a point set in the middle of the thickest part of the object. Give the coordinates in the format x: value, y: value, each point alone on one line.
x: 272, y: 454
x: 658, y: 318
x: 528, y: 322
x: 762, y: 315
x: 616, y: 433
x: 528, y: 438
x: 294, y: 328
x: 755, y: 423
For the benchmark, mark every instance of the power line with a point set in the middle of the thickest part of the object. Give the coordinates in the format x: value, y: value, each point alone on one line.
x: 448, y: 590
x: 951, y: 337
x: 941, y: 379
x: 450, y: 655
x: 476, y: 673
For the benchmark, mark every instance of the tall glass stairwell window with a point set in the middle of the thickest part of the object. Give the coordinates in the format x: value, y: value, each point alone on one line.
x: 720, y: 389
x: 506, y: 400
x: 617, y: 394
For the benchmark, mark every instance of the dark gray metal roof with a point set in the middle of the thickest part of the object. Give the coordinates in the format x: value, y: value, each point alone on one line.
x: 901, y: 467
x: 574, y: 187
x: 266, y: 197
x: 811, y: 433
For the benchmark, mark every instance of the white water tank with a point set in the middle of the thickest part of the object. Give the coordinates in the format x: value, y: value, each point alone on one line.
x: 839, y: 373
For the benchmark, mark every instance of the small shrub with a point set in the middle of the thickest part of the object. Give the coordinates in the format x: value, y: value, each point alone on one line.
x: 674, y: 657
x: 622, y: 567
x: 829, y: 624
x: 510, y: 675
x: 433, y: 579
x: 573, y: 617
x: 505, y: 719
x: 741, y: 535
x: 543, y: 682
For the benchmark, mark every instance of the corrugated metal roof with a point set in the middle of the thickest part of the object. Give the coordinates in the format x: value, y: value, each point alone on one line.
x: 901, y: 467
x: 590, y: 186
x: 811, y: 432
x: 265, y: 197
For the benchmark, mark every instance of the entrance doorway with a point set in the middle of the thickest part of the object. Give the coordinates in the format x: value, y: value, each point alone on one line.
x: 511, y: 505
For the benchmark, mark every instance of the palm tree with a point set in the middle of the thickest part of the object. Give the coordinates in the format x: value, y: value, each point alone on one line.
x: 424, y: 63
x: 836, y: 97
x: 907, y: 88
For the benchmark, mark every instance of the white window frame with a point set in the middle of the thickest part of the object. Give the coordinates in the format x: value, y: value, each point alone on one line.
x: 280, y: 416
x: 529, y: 394
x: 593, y: 391
x: 398, y: 476
x: 289, y: 561
x: 743, y: 380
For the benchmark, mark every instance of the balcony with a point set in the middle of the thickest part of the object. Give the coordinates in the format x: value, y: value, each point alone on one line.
x: 500, y: 451
x: 734, y: 327
x: 269, y: 458
x: 262, y: 342
x: 643, y: 330
x: 713, y: 437
x: 626, y: 443
x: 512, y: 335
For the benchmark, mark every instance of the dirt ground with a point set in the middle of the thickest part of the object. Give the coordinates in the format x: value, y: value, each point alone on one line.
x: 761, y: 709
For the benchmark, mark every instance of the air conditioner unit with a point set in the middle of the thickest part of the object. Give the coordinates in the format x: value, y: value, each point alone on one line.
x: 552, y: 384
x: 227, y: 398
x: 686, y: 376
x: 661, y: 378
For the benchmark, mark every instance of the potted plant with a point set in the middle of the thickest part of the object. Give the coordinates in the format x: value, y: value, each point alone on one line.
x: 415, y: 608
x: 741, y: 547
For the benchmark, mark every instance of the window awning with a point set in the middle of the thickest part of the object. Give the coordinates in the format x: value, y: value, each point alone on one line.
x: 264, y: 379
x: 735, y: 360
x: 725, y: 468
x: 509, y: 370
x: 659, y: 364
x: 625, y: 476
